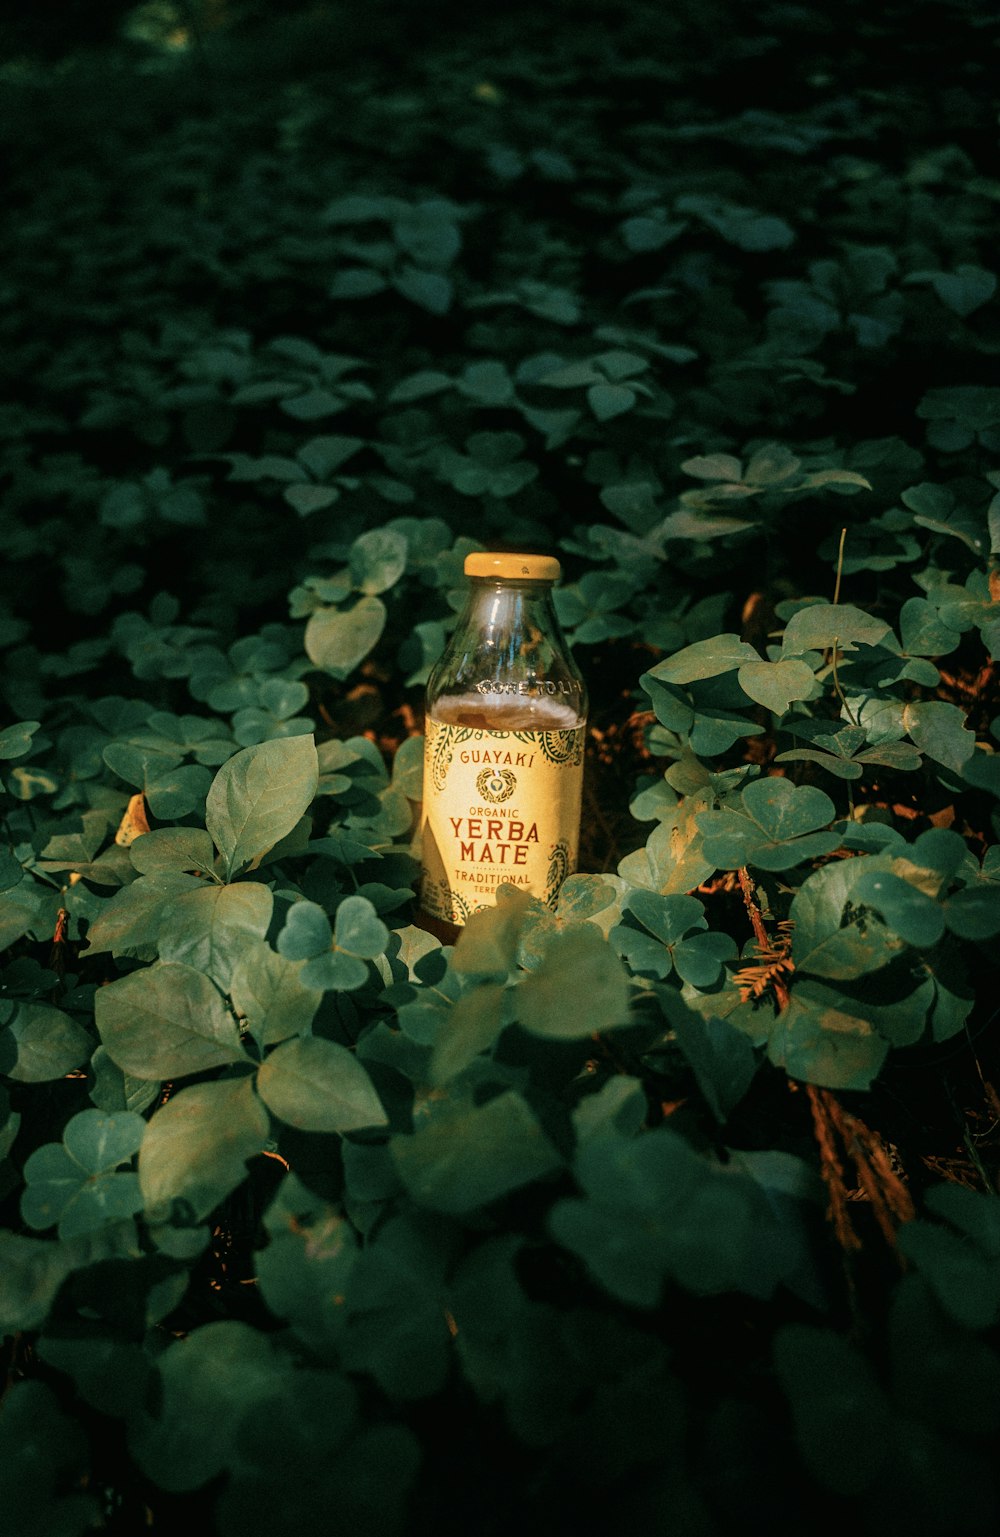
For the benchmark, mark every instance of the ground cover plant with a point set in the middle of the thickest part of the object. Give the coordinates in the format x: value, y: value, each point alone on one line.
x: 673, y: 1203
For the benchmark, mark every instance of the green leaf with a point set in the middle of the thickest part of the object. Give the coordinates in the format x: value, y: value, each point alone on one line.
x: 307, y: 498
x: 432, y: 291
x: 378, y: 559
x: 334, y: 961
x: 469, y: 1027
x: 398, y: 1332
x: 356, y: 283
x: 668, y: 917
x: 338, y: 640
x: 940, y: 731
x: 269, y: 995
x: 773, y: 829
x: 966, y: 289
x: 974, y: 912
x: 960, y: 1269
x: 11, y: 874
x: 15, y: 740
x: 128, y: 926
x: 714, y: 467
x: 210, y: 929
x: 322, y: 456
x: 699, y: 959
x: 31, y: 1273
x: 464, y: 1155
x: 196, y: 1147
x: 673, y: 859
x: 836, y: 1402
x: 258, y: 796
x: 907, y: 910
x: 822, y: 625
x: 426, y: 381
x: 488, y: 942
x: 832, y: 936
x: 610, y: 400
x: 204, y: 1385
x: 705, y: 659
x: 188, y: 849
x: 100, y: 1142
x: 776, y: 684
x: 75, y: 1184
x: 923, y: 631
x: 818, y: 1042
x: 306, y: 933
x: 45, y: 1459
x: 773, y: 465
x: 408, y: 767
x: 166, y: 1021
x: 41, y: 1043
x: 721, y: 1057
x: 318, y: 1085
x: 171, y: 789
x: 579, y: 988
x: 654, y: 1210
x: 305, y: 1268
x: 358, y: 929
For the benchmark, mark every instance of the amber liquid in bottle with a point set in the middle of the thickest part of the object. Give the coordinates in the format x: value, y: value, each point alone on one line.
x: 505, y: 725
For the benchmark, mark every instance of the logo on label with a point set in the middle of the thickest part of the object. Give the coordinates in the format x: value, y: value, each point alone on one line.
x: 496, y: 785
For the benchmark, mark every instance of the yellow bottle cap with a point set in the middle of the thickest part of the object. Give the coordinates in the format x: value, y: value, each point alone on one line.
x: 526, y: 568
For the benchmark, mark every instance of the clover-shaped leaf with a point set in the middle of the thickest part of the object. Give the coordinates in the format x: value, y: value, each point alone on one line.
x: 838, y: 749
x: 170, y: 787
x: 75, y: 1184
x: 336, y: 958
x: 721, y: 1057
x: 774, y: 829
x: 491, y: 465
x: 463, y: 1155
x: 678, y: 922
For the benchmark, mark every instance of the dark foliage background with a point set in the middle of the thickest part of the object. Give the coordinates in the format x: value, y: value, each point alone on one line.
x: 677, y: 1208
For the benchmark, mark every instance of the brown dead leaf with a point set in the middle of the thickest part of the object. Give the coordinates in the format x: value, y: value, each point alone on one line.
x: 133, y: 824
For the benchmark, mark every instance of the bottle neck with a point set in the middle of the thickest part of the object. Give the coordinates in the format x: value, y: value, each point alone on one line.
x: 507, y: 655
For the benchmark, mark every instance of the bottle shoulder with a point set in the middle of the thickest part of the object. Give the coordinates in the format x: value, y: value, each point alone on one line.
x: 508, y: 654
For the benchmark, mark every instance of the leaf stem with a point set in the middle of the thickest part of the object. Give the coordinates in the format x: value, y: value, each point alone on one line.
x: 836, y: 588
x: 836, y: 684
x: 840, y: 567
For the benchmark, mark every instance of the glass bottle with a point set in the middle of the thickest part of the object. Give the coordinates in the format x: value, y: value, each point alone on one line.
x: 505, y: 724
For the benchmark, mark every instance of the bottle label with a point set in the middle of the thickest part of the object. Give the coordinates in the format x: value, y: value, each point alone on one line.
x: 499, y: 807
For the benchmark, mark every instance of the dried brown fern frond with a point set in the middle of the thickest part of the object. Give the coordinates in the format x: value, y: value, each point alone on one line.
x: 773, y: 966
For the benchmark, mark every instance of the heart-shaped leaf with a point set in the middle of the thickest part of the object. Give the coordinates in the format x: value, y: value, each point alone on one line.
x: 774, y: 827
